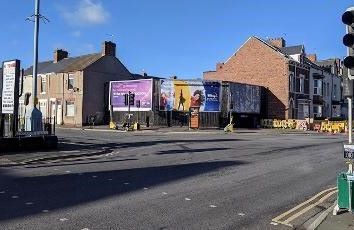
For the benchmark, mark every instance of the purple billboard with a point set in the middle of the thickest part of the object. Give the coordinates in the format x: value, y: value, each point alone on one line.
x: 142, y: 90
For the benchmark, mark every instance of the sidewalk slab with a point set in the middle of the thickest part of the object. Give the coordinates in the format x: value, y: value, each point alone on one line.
x: 342, y: 221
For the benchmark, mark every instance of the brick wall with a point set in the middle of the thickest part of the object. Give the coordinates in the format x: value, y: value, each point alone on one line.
x: 256, y: 63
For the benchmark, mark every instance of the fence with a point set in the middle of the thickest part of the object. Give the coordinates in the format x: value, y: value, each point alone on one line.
x: 11, y: 126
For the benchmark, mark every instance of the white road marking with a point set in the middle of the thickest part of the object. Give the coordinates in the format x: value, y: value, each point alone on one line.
x: 109, y: 154
x: 165, y: 193
x: 63, y: 219
x: 2, y: 192
x: 110, y: 179
x: 94, y: 176
x: 14, y: 197
x: 241, y: 214
x: 212, y: 206
x: 68, y: 171
x: 85, y: 229
x: 70, y: 151
x: 45, y: 210
x: 29, y: 203
x: 273, y: 223
x: 146, y: 188
x: 187, y: 199
x: 55, y: 169
x: 126, y: 183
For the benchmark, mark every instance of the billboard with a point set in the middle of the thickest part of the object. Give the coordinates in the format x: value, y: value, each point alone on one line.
x: 10, y: 81
x: 142, y: 90
x: 245, y: 98
x: 180, y: 95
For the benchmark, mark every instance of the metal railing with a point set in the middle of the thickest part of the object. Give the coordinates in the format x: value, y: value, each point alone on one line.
x: 22, y: 126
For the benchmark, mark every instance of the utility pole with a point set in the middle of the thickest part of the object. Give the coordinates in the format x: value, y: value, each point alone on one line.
x: 34, y: 115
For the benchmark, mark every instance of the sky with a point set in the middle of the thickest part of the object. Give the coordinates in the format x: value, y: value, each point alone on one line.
x: 168, y: 38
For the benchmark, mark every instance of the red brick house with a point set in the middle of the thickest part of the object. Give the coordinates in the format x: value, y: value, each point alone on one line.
x: 283, y: 71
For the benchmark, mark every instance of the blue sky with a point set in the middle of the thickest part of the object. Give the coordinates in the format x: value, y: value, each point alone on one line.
x: 170, y: 37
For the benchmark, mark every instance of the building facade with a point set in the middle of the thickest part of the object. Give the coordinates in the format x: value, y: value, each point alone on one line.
x: 294, y: 84
x: 72, y: 89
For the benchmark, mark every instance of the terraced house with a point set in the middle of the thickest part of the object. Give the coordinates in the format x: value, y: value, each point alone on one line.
x: 296, y: 87
x: 73, y: 88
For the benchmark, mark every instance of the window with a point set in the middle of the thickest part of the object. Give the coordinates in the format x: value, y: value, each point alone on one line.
x: 291, y: 83
x: 317, y: 87
x: 43, y: 84
x: 334, y: 90
x: 71, y: 81
x: 302, y: 84
x: 70, y: 109
x: 317, y: 110
x: 43, y: 108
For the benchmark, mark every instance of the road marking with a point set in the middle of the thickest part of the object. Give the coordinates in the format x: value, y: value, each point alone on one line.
x: 14, y: 197
x: 2, y: 192
x: 241, y: 214
x: 85, y: 229
x: 145, y: 188
x: 126, y: 183
x: 165, y: 193
x: 68, y: 171
x: 302, y: 204
x: 55, y: 169
x: 187, y: 199
x: 72, y: 143
x: 212, y: 206
x: 29, y: 203
x: 110, y: 179
x: 94, y: 176
x: 296, y: 215
x: 70, y: 151
x: 273, y: 223
x: 45, y: 210
x: 63, y: 219
x: 304, y: 209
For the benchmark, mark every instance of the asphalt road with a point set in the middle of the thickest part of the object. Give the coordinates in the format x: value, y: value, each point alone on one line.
x: 155, y: 180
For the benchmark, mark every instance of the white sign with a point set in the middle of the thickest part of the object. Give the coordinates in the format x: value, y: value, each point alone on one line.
x: 8, y: 87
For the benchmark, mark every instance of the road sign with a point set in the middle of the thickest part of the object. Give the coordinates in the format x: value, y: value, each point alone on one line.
x: 10, y: 82
x: 348, y: 151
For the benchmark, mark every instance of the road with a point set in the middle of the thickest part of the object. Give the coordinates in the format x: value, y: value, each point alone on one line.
x: 172, y: 180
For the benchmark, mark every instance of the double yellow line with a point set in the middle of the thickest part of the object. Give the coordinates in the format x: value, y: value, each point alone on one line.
x: 302, y: 208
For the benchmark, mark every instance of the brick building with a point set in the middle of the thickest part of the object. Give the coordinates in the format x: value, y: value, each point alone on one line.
x: 73, y: 88
x: 284, y: 71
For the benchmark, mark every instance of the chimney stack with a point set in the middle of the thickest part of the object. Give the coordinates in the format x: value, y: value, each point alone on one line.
x: 312, y: 57
x: 60, y: 54
x: 108, y: 48
x: 277, y: 42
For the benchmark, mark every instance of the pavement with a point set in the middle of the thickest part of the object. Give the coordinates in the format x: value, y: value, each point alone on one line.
x: 171, y: 180
x: 342, y: 221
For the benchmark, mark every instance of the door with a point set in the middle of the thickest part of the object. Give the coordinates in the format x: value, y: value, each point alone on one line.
x: 53, y: 112
x: 59, y: 116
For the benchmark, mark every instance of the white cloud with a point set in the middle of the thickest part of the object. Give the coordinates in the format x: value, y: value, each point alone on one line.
x: 88, y: 12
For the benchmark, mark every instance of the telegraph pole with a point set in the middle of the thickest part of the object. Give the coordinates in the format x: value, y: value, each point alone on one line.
x: 34, y: 115
x: 35, y: 53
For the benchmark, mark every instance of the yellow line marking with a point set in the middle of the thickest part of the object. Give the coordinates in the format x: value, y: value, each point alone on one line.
x: 296, y: 215
x: 276, y: 219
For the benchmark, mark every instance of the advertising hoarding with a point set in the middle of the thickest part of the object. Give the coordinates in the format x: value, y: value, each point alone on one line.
x: 142, y: 89
x: 180, y: 95
x: 245, y: 98
x: 9, y: 86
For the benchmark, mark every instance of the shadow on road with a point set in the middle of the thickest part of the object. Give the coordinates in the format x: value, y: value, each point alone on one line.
x: 53, y: 192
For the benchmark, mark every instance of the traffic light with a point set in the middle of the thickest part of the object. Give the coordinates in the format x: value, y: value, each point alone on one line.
x: 348, y: 40
x: 131, y: 98
x: 126, y: 99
